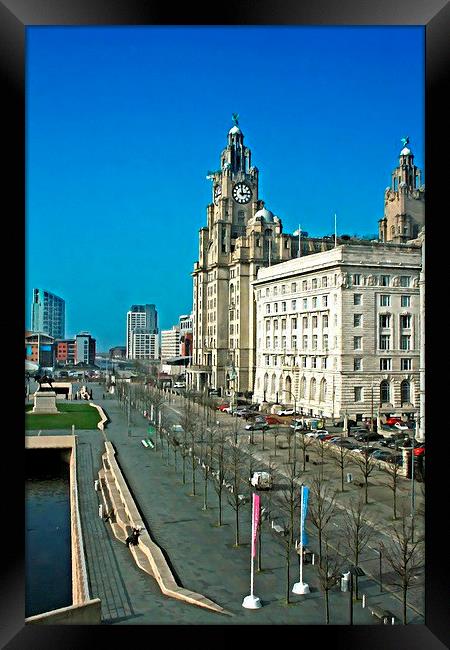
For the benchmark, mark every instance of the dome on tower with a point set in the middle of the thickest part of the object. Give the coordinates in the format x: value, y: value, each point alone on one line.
x: 264, y: 215
x: 405, y: 151
x: 234, y: 129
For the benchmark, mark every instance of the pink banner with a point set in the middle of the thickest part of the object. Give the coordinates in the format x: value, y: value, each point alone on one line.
x: 255, y: 521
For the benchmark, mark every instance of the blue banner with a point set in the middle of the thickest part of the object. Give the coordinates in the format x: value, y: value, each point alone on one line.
x: 304, y: 509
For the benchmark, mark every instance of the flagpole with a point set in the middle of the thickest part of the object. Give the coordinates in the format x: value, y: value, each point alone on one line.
x: 335, y: 230
x: 299, y: 241
x: 301, y: 587
x: 252, y: 601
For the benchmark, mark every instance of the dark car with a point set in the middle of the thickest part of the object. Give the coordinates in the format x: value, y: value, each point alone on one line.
x: 257, y: 426
x: 344, y: 442
x: 368, y: 436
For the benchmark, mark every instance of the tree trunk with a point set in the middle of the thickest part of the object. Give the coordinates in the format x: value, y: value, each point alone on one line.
x: 288, y: 581
x: 219, y: 523
x: 237, y: 525
x: 205, y: 491
x: 327, y: 608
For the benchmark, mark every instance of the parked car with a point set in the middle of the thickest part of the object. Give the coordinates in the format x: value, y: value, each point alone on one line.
x: 262, y: 480
x: 223, y: 406
x: 287, y: 411
x: 393, y: 420
x: 317, y: 433
x: 257, y: 426
x: 402, y: 426
x: 368, y: 436
x: 179, y: 384
x: 419, y: 449
x: 355, y: 431
x: 270, y: 419
x: 344, y: 442
x: 383, y: 454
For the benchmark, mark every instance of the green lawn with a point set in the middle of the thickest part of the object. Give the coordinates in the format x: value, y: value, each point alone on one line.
x: 82, y: 416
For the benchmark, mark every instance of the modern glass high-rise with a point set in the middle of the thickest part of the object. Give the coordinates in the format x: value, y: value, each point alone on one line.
x: 48, y: 314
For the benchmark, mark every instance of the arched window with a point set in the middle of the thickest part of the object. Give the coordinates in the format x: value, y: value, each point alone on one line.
x: 302, y: 387
x: 258, y: 383
x: 312, y: 389
x: 272, y: 385
x: 323, y: 390
x: 385, y: 392
x: 405, y: 392
x: 266, y: 381
x: 287, y: 388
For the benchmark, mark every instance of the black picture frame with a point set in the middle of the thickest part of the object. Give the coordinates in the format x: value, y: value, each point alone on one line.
x: 15, y: 16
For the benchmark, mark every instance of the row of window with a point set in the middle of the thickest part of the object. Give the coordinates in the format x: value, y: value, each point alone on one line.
x: 385, y: 364
x: 384, y: 342
x: 316, y: 302
x: 316, y: 283
x: 314, y: 362
x: 386, y: 393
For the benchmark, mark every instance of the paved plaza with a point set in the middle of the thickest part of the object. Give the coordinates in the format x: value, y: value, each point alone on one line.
x: 200, y: 553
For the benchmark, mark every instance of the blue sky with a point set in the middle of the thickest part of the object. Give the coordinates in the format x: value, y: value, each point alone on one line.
x: 123, y: 124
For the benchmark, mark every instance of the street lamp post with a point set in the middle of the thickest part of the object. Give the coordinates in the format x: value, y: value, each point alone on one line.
x: 288, y: 392
x: 354, y: 571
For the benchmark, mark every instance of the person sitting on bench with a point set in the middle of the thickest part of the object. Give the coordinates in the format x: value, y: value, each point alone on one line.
x: 133, y: 538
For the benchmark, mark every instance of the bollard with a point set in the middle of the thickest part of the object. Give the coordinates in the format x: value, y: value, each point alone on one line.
x: 313, y: 558
x: 364, y: 601
x: 392, y: 621
x: 96, y: 485
x: 73, y: 429
x: 100, y: 511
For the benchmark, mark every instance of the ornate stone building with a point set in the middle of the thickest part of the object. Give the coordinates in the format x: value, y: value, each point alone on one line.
x: 404, y: 201
x: 241, y: 236
x: 338, y: 332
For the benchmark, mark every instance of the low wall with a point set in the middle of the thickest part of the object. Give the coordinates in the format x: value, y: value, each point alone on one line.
x: 89, y: 613
x: 159, y: 568
x: 104, y: 418
x: 80, y: 589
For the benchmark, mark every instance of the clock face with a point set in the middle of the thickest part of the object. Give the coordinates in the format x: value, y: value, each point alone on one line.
x: 242, y: 193
x: 217, y: 193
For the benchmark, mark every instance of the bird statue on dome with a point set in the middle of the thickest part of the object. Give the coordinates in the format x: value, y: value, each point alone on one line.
x: 405, y: 141
x: 235, y: 118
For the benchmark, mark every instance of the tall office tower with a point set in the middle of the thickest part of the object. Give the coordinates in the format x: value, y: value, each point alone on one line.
x: 48, y: 314
x: 142, y: 320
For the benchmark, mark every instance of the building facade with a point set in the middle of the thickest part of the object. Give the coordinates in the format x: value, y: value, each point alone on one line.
x: 170, y: 343
x: 404, y: 201
x: 48, y: 314
x: 142, y: 332
x: 185, y: 325
x: 241, y: 236
x: 338, y: 331
x: 40, y: 349
x: 84, y: 348
x: 65, y: 351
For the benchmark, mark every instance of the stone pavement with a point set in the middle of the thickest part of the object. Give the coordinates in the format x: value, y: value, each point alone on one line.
x: 201, y: 554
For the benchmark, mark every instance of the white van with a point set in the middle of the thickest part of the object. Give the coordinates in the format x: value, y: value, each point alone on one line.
x: 262, y: 480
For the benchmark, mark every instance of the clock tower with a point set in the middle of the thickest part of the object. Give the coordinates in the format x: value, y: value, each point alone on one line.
x: 240, y: 237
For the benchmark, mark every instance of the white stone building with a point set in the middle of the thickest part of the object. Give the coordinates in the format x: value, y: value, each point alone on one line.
x: 170, y: 343
x: 338, y: 331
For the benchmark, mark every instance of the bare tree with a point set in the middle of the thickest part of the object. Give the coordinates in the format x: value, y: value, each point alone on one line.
x: 341, y: 457
x: 405, y: 556
x: 328, y: 572
x: 290, y: 501
x: 305, y: 443
x: 366, y: 465
x: 275, y: 433
x: 284, y: 538
x: 188, y: 424
x: 220, y: 471
x: 392, y: 471
x: 322, y: 507
x: 357, y: 532
x: 237, y: 472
